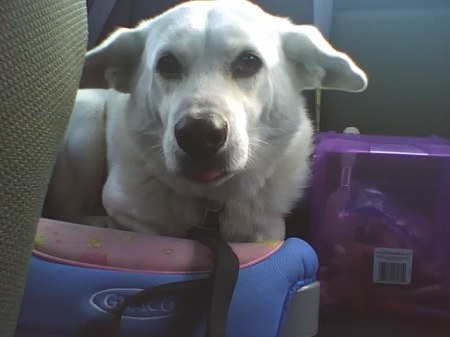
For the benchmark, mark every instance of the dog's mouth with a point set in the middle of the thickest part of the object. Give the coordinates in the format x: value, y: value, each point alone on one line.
x: 210, y: 172
x: 207, y: 176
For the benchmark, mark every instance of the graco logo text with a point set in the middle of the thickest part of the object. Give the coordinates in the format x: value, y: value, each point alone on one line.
x: 109, y: 300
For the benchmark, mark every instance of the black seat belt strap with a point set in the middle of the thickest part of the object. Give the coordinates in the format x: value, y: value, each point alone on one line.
x: 223, y: 279
x: 219, y: 285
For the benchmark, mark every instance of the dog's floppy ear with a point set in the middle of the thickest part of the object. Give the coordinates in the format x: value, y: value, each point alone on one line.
x: 114, y: 62
x: 318, y: 64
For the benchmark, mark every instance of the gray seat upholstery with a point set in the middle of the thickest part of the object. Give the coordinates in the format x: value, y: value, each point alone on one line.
x: 42, y: 46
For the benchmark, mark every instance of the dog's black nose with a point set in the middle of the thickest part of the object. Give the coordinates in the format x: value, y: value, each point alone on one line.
x: 201, y: 136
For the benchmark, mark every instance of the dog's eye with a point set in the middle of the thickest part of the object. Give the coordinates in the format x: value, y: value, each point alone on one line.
x: 169, y: 67
x: 247, y: 64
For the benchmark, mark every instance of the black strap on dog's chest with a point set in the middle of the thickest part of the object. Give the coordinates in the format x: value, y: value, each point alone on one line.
x: 224, y: 275
x: 219, y: 286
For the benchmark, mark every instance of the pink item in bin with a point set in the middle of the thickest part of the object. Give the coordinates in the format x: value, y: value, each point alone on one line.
x: 381, y: 224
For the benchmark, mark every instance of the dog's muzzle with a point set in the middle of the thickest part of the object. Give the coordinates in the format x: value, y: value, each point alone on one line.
x: 201, y: 138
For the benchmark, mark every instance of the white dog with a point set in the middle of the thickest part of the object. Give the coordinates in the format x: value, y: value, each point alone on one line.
x: 199, y: 105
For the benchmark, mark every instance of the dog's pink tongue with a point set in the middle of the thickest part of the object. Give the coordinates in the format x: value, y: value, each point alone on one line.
x: 209, y: 175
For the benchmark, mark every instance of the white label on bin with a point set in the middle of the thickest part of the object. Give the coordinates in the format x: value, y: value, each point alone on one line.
x: 392, y: 265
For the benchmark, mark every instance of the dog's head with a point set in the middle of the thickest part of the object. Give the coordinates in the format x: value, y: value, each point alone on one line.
x: 216, y: 85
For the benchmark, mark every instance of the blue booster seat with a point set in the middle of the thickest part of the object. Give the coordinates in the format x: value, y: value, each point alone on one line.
x: 80, y: 275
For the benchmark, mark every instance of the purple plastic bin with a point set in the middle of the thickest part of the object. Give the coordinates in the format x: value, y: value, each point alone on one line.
x: 381, y: 224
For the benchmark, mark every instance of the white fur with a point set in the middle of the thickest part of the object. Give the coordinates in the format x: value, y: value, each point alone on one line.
x: 269, y: 131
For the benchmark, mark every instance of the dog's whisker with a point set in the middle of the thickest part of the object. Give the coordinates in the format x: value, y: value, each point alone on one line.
x: 252, y: 157
x: 272, y: 132
x: 146, y: 130
x: 157, y: 148
x: 257, y: 141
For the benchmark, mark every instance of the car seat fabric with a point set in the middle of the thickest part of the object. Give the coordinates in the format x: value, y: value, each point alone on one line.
x: 42, y: 46
x: 75, y: 293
